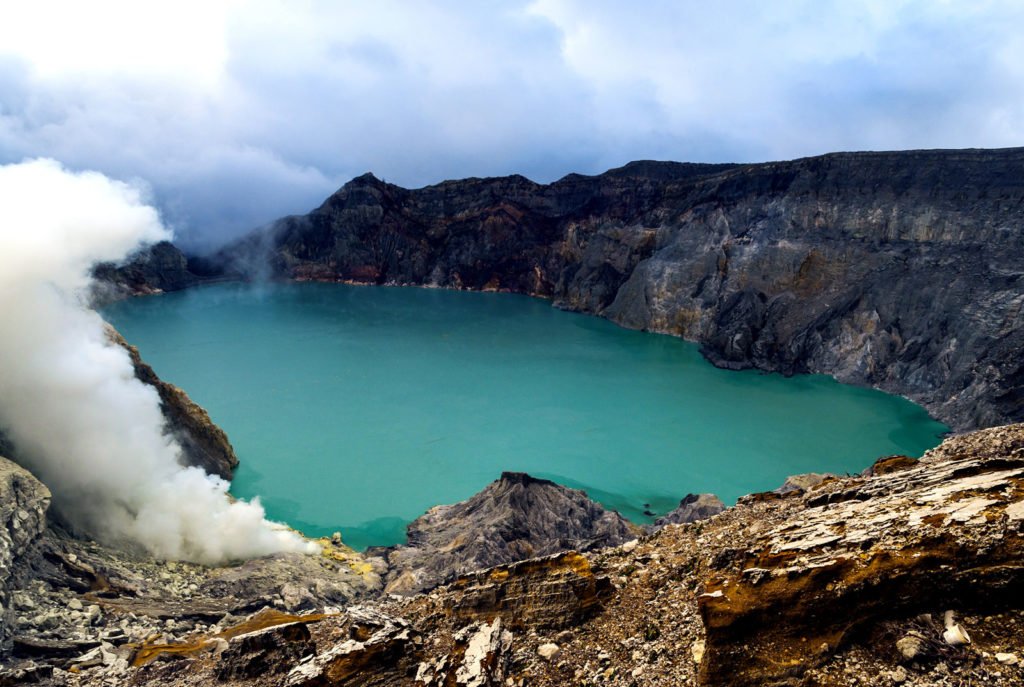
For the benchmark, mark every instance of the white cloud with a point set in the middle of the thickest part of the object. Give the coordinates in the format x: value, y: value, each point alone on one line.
x: 240, y: 111
x: 183, y: 39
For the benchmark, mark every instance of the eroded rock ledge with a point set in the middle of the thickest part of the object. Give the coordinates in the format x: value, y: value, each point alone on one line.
x: 948, y: 530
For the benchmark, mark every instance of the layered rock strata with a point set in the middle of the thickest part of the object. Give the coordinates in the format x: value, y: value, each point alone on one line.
x: 949, y: 529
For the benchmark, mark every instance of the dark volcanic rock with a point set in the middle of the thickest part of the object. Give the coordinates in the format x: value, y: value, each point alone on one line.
x: 691, y: 508
x: 896, y: 270
x: 377, y: 653
x: 514, y: 518
x: 156, y: 268
x: 266, y: 651
x: 23, y: 505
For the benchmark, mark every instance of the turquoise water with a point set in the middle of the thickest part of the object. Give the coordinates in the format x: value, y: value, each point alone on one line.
x: 357, y: 408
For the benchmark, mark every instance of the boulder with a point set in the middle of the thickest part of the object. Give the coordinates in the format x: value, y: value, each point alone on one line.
x: 380, y: 652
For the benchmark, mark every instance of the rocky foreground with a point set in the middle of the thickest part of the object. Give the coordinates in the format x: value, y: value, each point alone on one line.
x: 896, y: 270
x: 910, y: 574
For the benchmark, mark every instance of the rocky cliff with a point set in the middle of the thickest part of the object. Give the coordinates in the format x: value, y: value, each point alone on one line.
x: 896, y: 270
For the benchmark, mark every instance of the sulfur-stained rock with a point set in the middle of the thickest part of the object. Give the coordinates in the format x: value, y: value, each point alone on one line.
x: 267, y: 651
x: 553, y: 592
x: 380, y: 651
x: 804, y: 482
x: 888, y: 464
x: 947, y: 528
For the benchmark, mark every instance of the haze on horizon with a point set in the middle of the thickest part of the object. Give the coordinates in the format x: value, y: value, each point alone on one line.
x: 235, y: 112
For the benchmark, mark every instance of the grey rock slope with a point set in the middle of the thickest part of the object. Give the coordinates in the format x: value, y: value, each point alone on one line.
x: 512, y: 519
x: 23, y: 505
x: 896, y: 270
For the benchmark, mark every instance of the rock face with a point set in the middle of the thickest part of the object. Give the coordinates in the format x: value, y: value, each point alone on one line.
x: 691, y: 508
x: 274, y: 649
x: 23, y: 504
x: 204, y: 444
x: 514, y: 518
x: 376, y: 653
x: 896, y: 270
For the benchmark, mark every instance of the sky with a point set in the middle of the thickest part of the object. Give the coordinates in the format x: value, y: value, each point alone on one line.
x: 234, y: 112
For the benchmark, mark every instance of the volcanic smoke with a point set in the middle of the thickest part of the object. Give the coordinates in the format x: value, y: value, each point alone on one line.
x: 69, y: 399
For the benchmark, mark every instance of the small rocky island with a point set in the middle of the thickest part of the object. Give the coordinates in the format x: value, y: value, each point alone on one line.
x: 896, y: 270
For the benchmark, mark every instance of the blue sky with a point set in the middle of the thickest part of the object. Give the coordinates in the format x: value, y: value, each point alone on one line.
x: 235, y: 112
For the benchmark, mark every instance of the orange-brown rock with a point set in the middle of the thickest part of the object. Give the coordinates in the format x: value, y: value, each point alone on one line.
x: 948, y: 530
x: 553, y: 592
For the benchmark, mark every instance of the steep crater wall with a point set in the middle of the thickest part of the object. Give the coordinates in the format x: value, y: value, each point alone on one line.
x: 900, y: 271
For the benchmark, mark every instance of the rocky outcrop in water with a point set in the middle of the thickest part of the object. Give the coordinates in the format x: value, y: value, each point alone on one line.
x: 514, y: 518
x: 900, y: 271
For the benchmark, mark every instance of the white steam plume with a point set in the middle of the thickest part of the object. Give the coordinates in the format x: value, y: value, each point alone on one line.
x: 69, y: 398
